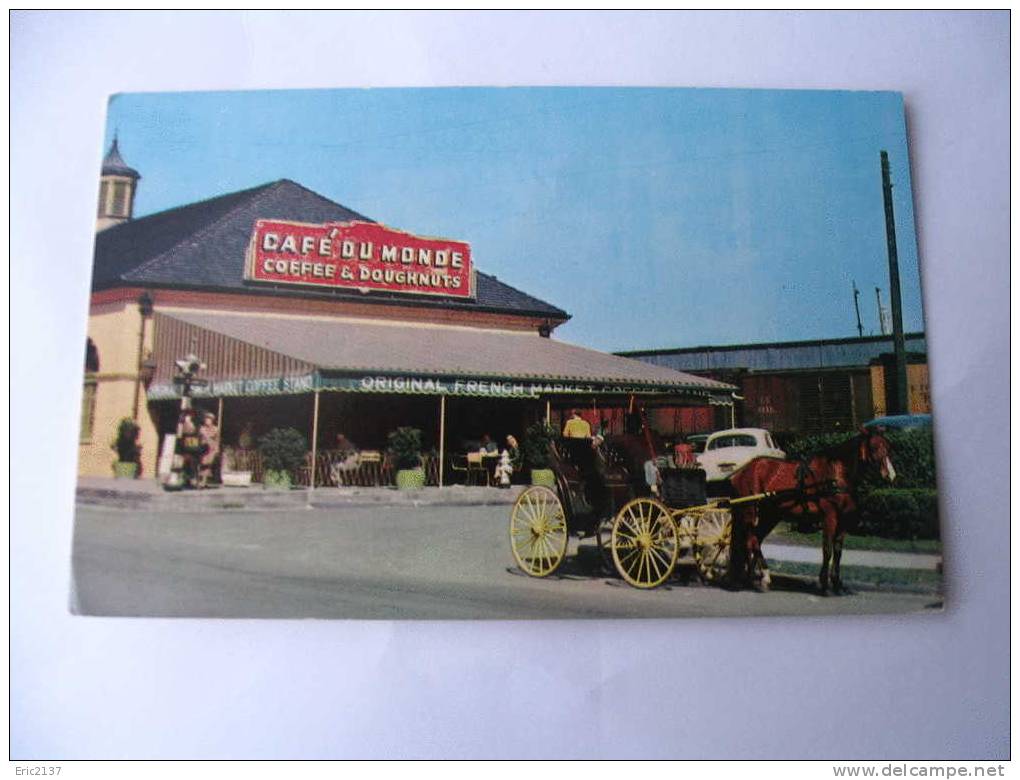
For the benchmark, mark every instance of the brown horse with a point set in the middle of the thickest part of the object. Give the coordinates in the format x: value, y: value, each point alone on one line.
x: 823, y: 485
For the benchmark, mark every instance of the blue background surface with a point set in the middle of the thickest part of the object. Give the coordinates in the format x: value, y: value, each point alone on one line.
x: 917, y: 686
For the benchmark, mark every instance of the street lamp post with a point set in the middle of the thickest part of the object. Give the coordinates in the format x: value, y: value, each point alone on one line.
x: 186, y: 378
x: 145, y: 307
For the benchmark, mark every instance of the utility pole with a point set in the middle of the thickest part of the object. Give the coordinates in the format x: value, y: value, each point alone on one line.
x: 857, y: 308
x: 899, y: 348
x: 881, y: 312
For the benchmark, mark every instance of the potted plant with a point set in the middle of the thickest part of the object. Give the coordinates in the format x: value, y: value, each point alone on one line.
x: 231, y: 473
x: 405, y: 447
x: 128, y: 449
x: 283, y: 450
x: 537, y: 439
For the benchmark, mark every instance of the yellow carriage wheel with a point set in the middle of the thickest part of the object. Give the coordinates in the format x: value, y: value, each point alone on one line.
x: 538, y: 531
x: 645, y: 543
x: 712, y: 548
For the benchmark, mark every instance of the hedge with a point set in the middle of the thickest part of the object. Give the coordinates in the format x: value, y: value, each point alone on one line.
x: 899, y: 514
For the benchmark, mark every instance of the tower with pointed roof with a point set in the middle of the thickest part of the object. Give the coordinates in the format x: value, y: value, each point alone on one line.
x: 118, y: 182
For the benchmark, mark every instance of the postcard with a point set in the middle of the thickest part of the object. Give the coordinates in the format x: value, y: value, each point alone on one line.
x: 515, y: 353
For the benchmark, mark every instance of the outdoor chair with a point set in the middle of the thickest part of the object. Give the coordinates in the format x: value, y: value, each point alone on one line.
x: 472, y: 466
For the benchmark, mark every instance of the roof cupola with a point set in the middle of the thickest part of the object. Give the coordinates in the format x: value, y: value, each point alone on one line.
x: 117, y: 185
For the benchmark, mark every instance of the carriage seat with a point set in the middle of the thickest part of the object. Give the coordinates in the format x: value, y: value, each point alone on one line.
x: 683, y: 487
x: 576, y: 458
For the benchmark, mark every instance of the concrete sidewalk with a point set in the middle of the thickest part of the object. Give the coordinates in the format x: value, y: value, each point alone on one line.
x: 149, y: 494
x: 879, y: 560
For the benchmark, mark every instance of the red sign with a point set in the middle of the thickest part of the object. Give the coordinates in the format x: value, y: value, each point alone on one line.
x: 360, y: 255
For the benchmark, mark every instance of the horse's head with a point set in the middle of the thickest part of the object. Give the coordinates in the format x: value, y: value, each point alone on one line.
x: 874, y: 452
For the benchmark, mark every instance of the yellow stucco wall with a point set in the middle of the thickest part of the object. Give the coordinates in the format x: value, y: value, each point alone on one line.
x: 114, y: 328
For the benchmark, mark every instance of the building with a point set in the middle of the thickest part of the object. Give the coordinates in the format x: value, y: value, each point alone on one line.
x: 803, y: 387
x: 309, y: 315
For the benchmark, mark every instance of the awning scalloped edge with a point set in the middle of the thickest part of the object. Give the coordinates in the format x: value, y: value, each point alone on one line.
x: 477, y: 388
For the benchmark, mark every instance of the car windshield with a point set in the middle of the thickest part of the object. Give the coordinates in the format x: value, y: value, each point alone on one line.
x: 732, y: 440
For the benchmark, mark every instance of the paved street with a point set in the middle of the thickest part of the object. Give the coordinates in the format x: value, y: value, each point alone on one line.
x: 379, y: 562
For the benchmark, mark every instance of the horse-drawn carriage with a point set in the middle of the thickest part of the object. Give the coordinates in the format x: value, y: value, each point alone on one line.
x: 601, y: 491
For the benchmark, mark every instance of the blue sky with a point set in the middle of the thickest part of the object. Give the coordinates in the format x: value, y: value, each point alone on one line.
x: 656, y: 217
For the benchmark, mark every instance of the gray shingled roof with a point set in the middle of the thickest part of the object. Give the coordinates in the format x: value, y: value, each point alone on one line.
x: 369, y: 347
x: 779, y: 356
x: 202, y: 246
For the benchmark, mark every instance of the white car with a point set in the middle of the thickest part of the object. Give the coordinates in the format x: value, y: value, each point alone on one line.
x: 726, y: 451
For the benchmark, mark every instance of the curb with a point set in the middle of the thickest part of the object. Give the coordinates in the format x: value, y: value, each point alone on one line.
x: 227, y: 499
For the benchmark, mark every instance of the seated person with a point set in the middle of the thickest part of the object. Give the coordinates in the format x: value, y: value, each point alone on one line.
x: 683, y: 453
x: 344, y: 446
x: 653, y: 477
x: 487, y: 445
x: 348, y: 458
x: 514, y: 450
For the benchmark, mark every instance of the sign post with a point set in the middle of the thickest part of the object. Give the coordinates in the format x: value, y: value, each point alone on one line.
x: 442, y: 436
x: 315, y: 440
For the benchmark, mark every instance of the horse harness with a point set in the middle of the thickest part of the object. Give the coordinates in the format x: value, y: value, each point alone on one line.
x: 809, y: 490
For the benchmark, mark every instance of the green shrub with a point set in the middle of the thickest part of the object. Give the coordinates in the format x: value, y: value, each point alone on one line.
x: 126, y: 443
x: 820, y: 442
x: 405, y: 447
x: 276, y: 479
x: 283, y: 449
x: 536, y: 444
x: 898, y: 513
x: 913, y: 455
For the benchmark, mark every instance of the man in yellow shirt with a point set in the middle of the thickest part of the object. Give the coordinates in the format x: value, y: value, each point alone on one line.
x: 576, y: 427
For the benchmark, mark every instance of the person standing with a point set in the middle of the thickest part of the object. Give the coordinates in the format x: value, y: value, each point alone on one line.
x: 189, y: 448
x: 576, y: 427
x: 209, y: 436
